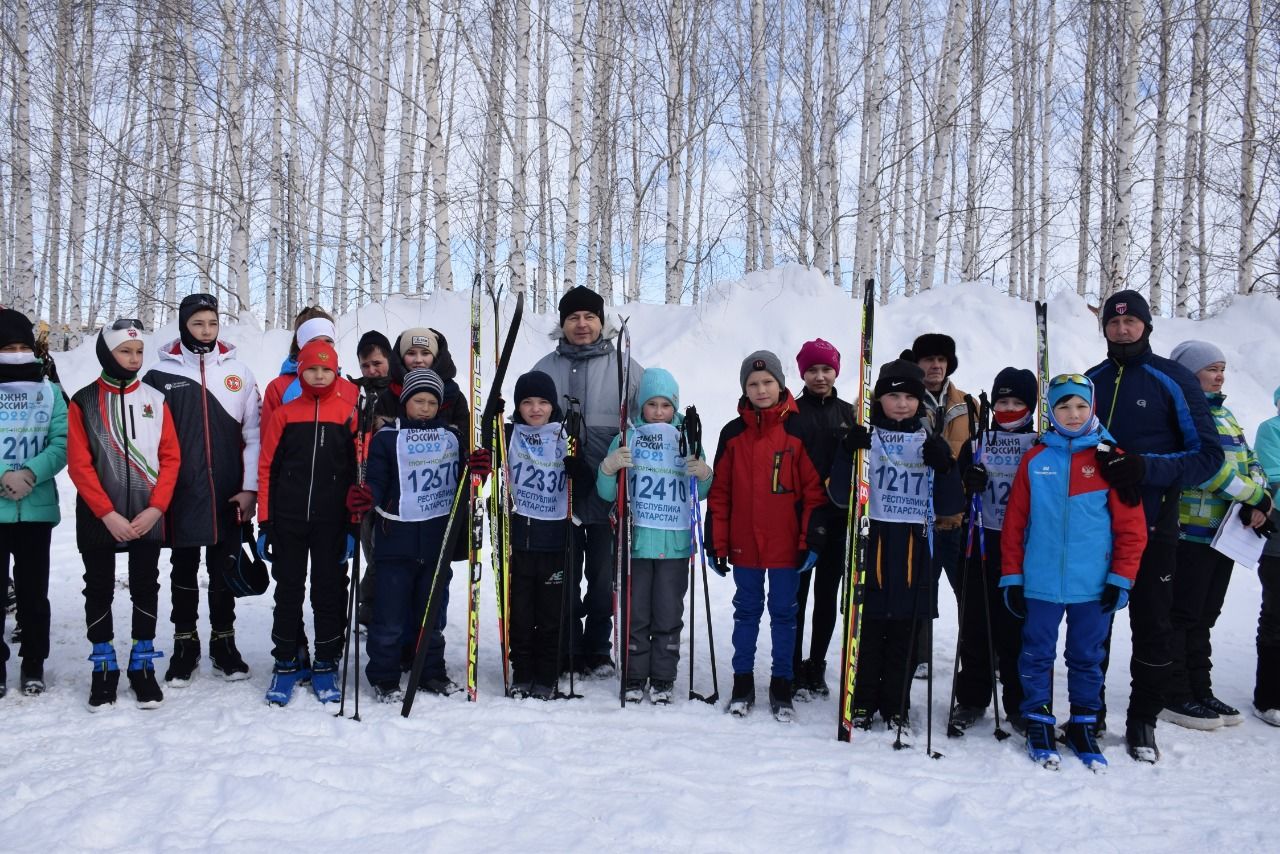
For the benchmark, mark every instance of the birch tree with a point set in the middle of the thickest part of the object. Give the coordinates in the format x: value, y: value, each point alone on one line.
x: 1118, y: 261
x: 944, y: 127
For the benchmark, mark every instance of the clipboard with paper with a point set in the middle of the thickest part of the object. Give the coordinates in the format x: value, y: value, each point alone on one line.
x: 1237, y: 541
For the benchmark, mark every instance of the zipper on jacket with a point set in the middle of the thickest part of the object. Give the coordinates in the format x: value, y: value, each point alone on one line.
x: 128, y: 470
x: 1066, y: 528
x: 1115, y: 395
x: 208, y: 451
x: 315, y: 440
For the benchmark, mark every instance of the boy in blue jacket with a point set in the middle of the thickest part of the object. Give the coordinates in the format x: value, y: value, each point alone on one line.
x: 1072, y: 545
x: 658, y: 491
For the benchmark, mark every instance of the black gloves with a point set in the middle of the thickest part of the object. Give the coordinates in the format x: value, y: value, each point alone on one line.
x: 1114, y: 598
x: 1264, y: 505
x: 1120, y: 469
x: 975, y: 479
x: 857, y: 439
x: 719, y: 564
x: 1015, y: 601
x: 937, y: 454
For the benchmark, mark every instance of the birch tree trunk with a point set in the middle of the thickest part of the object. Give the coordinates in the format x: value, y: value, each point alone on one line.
x: 1017, y: 134
x: 80, y: 177
x: 944, y: 128
x: 1086, y: 149
x: 873, y: 83
x: 238, y: 254
x: 827, y: 176
x: 53, y: 243
x: 341, y: 277
x: 573, y: 196
x: 1190, y: 160
x: 24, y: 293
x: 408, y: 133
x: 1155, y: 280
x: 546, y: 214
x: 380, y: 31
x: 673, y: 266
x: 977, y: 86
x: 1248, y: 149
x: 520, y: 149
x: 174, y: 132
x: 1046, y: 128
x: 436, y: 152
x: 1118, y: 262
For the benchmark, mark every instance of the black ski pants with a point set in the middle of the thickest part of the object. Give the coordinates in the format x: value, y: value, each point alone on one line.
x: 100, y: 589
x: 1266, y: 690
x: 28, y: 543
x: 1199, y: 589
x: 947, y: 556
x: 973, y: 677
x: 293, y: 542
x: 825, y: 581
x: 1150, y: 603
x: 536, y: 600
x: 884, y: 667
x: 184, y: 589
x: 592, y: 620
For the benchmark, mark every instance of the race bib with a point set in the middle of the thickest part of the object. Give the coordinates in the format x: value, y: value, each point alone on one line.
x: 428, y: 464
x: 1001, y: 454
x: 658, y: 482
x: 26, y: 408
x: 899, y: 477
x: 539, y: 483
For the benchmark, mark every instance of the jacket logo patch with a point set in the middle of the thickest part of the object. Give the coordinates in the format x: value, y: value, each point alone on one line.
x: 148, y: 411
x: 1088, y: 471
x: 1046, y: 470
x: 1142, y: 401
x: 233, y: 382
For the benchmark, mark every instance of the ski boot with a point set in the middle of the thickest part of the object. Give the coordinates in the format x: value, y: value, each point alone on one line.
x: 32, y: 675
x: 815, y: 677
x: 142, y: 675
x: 106, y: 677
x: 520, y: 690
x: 182, y: 664
x: 635, y: 691
x: 286, y: 674
x: 963, y: 717
x: 226, y: 658
x: 1141, y: 740
x: 780, y: 700
x: 1230, y: 714
x: 661, y: 691
x: 388, y: 692
x: 744, y: 694
x: 1083, y: 742
x: 324, y: 681
x: 1041, y: 743
x: 538, y: 691
x: 439, y: 685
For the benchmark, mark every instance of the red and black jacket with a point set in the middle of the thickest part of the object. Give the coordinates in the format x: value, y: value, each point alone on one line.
x: 308, y: 459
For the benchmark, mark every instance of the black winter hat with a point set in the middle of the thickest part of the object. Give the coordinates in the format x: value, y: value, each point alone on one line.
x: 536, y: 384
x: 371, y: 339
x: 900, y: 375
x: 15, y: 328
x: 191, y: 304
x: 1127, y: 302
x: 581, y: 299
x: 419, y: 380
x: 1016, y: 382
x: 935, y: 344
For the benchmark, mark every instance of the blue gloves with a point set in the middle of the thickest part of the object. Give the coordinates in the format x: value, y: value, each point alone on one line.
x: 264, y: 542
x: 1015, y: 601
x: 1114, y: 598
x: 810, y: 561
x: 350, y: 550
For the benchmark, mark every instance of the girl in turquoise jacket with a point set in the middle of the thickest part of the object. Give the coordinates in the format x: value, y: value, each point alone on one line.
x: 658, y: 494
x: 33, y: 449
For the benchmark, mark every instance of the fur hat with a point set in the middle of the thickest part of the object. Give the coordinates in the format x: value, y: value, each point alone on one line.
x: 936, y: 344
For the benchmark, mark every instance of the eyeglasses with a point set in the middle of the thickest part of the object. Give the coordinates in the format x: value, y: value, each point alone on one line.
x: 128, y: 323
x: 1070, y: 379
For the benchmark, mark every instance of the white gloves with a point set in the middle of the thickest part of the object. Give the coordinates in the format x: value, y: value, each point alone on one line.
x: 698, y: 468
x: 18, y: 484
x: 619, y: 459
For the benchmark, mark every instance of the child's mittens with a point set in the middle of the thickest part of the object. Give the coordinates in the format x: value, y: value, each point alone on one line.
x: 1114, y: 598
x: 359, y: 499
x: 18, y: 483
x: 975, y: 479
x: 858, y: 438
x: 480, y: 463
x: 937, y: 454
x: 698, y: 468
x: 810, y: 561
x: 1015, y: 601
x: 619, y: 459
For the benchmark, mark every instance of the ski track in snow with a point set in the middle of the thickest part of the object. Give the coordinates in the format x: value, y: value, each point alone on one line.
x: 217, y: 769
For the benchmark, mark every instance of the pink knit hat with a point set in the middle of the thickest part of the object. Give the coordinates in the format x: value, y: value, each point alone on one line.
x: 818, y: 352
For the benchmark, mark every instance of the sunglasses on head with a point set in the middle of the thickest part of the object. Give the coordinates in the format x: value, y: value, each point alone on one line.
x: 202, y: 301
x: 1074, y: 379
x: 128, y: 323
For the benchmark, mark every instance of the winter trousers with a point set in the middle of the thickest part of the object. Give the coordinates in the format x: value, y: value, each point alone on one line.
x: 184, y: 590
x: 748, y: 608
x: 1266, y: 689
x: 973, y: 678
x: 1199, y: 589
x: 948, y: 557
x: 536, y: 599
x: 825, y: 580
x: 100, y: 589
x: 1150, y: 603
x: 293, y: 543
x: 402, y: 589
x: 1087, y: 629
x: 28, y: 543
x: 657, y: 617
x: 884, y: 667
x: 369, y: 570
x: 592, y: 621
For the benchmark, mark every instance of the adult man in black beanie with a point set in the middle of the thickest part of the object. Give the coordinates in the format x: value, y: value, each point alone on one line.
x: 584, y: 366
x: 1165, y: 439
x: 214, y: 401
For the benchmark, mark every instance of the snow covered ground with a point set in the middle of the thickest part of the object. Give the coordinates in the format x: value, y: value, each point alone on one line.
x: 217, y: 769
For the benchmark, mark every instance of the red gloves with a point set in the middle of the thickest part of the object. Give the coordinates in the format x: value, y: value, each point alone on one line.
x: 480, y: 463
x: 359, y: 499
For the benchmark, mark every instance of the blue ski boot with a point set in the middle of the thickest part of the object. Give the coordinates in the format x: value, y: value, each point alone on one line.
x: 1083, y: 741
x: 324, y: 681
x: 284, y: 676
x: 106, y: 677
x: 1041, y: 746
x: 142, y: 675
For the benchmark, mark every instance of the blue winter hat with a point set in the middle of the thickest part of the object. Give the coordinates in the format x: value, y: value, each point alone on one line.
x: 1064, y: 386
x: 1275, y: 397
x: 656, y: 382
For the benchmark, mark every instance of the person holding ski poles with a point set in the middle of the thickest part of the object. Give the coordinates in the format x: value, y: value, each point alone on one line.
x: 825, y: 419
x: 1072, y: 548
x: 762, y: 523
x: 214, y: 401
x: 658, y: 485
x: 584, y: 366
x: 1156, y: 411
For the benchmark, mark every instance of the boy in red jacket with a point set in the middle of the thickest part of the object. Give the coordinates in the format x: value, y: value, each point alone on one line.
x: 123, y: 457
x: 306, y: 466
x: 761, y: 520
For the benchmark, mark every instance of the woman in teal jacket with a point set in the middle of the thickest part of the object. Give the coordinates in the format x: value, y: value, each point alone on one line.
x: 33, y: 449
x: 658, y: 476
x: 1266, y: 690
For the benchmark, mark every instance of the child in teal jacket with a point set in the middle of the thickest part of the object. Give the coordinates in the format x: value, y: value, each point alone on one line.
x: 661, y: 510
x: 33, y: 449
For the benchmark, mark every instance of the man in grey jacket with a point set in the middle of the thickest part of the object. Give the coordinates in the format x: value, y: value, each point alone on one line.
x: 584, y: 365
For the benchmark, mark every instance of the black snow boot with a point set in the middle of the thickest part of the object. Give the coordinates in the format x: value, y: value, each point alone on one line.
x: 32, y: 678
x: 780, y: 699
x: 744, y: 694
x: 182, y: 664
x: 1141, y: 740
x: 226, y: 658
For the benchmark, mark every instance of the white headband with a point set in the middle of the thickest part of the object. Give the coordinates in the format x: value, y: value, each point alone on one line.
x: 316, y: 327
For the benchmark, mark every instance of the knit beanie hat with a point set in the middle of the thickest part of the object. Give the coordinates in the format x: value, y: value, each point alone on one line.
x: 317, y: 353
x: 761, y: 360
x: 1127, y: 302
x: 900, y: 375
x: 936, y: 344
x: 15, y: 328
x: 316, y: 327
x: 581, y: 299
x: 535, y: 384
x: 191, y: 304
x: 818, y: 352
x: 419, y: 336
x: 1195, y: 356
x: 657, y: 382
x: 419, y: 380
x: 1016, y: 383
x: 370, y: 340
x: 1071, y: 385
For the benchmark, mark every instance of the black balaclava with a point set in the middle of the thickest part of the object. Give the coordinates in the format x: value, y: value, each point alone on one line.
x: 189, y: 306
